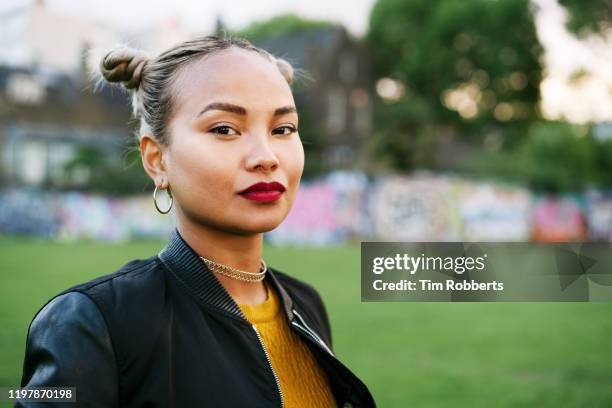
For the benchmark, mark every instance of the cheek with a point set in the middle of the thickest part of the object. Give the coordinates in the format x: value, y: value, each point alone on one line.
x: 294, y: 159
x: 294, y: 167
x: 197, y: 170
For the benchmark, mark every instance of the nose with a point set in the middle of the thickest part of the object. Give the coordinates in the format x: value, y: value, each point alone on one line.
x: 261, y: 156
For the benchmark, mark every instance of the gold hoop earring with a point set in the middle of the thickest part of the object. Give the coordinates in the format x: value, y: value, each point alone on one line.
x: 155, y: 200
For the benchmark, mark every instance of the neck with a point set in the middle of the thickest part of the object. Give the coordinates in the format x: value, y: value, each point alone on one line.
x: 237, y: 251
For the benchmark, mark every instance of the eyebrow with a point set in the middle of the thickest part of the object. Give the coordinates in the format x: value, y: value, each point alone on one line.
x: 239, y: 110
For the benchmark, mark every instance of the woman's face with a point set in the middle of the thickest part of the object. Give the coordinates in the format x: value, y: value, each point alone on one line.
x: 233, y: 125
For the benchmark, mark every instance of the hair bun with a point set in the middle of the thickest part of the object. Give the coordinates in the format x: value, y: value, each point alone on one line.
x: 285, y: 69
x: 124, y: 65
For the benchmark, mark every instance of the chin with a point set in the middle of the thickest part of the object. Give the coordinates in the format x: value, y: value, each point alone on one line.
x: 263, y: 225
x: 262, y: 219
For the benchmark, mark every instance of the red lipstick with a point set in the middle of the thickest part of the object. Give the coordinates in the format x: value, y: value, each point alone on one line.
x: 263, y: 192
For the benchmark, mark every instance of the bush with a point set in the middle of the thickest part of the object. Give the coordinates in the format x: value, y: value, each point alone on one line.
x: 554, y: 157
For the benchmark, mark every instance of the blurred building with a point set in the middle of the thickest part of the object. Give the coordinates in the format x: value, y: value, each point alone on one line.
x: 47, y: 119
x: 34, y: 35
x: 48, y: 111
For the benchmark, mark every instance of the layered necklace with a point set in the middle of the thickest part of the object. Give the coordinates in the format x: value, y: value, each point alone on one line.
x: 235, y: 273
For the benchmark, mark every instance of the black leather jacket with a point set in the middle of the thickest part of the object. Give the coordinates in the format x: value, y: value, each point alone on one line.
x: 163, y: 332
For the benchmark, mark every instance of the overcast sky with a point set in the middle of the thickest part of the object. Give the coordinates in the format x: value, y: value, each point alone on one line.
x: 200, y: 15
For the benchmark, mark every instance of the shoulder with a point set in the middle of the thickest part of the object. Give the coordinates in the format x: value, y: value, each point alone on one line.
x: 136, y: 270
x: 136, y: 280
x: 81, y: 301
x: 64, y: 319
x: 106, y: 302
x: 102, y: 307
x: 68, y: 344
x: 67, y: 309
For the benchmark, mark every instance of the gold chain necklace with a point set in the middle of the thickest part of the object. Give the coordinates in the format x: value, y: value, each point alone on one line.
x: 237, y: 273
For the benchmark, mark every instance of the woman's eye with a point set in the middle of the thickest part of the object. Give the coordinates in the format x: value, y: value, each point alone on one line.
x: 223, y: 130
x: 284, y: 130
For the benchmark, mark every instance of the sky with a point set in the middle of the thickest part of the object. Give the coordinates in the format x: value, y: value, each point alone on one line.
x: 200, y: 15
x: 589, y: 99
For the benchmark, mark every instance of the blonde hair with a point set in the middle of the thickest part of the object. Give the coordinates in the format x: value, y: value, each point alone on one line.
x: 150, y: 79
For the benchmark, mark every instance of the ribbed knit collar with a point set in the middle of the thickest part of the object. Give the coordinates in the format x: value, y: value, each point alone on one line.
x: 186, y: 264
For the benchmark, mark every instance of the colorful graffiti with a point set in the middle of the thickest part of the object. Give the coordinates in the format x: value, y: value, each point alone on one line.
x: 558, y: 220
x: 339, y: 207
x: 74, y: 215
x: 414, y: 209
x: 491, y: 212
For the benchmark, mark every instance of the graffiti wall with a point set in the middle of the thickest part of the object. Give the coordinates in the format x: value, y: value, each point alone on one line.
x: 414, y: 209
x: 339, y: 207
x: 73, y: 215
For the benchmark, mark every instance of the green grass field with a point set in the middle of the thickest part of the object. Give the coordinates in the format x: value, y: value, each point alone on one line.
x: 409, y: 354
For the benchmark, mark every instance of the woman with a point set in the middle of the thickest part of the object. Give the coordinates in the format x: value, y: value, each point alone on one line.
x: 205, y: 322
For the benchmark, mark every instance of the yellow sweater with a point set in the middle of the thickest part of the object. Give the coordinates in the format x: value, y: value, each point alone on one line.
x: 303, y: 382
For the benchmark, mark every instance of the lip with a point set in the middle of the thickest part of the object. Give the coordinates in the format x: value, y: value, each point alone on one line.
x: 263, y: 192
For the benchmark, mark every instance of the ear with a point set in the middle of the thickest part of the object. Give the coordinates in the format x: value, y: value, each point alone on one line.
x: 151, y: 152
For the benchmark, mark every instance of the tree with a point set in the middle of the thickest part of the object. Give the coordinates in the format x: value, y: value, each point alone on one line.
x: 591, y: 15
x: 556, y: 157
x: 278, y: 26
x: 469, y: 68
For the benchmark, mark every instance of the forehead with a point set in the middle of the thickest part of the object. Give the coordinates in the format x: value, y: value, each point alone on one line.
x: 237, y: 76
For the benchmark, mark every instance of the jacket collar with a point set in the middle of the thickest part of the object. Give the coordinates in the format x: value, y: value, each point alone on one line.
x: 186, y: 264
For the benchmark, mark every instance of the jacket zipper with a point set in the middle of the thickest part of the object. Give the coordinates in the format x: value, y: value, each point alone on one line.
x: 308, y: 330
x: 280, y: 392
x: 313, y: 336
